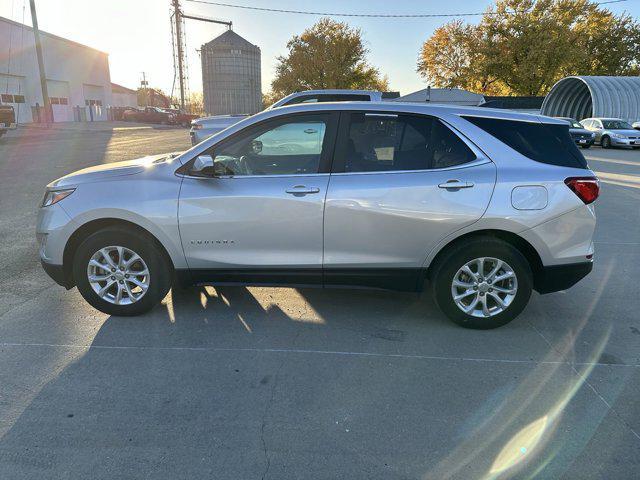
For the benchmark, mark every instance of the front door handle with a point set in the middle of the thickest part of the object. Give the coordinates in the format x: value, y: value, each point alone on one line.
x: 455, y: 184
x: 302, y: 190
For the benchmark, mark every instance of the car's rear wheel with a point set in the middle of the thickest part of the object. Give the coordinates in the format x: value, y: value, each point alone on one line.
x: 605, y: 142
x: 121, y: 272
x: 482, y: 283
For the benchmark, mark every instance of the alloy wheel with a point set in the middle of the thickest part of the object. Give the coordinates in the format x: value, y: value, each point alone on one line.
x: 484, y: 287
x: 118, y: 275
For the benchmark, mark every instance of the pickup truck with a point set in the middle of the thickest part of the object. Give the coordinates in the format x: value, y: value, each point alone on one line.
x: 148, y: 115
x: 7, y: 119
x: 204, y: 127
x: 180, y: 117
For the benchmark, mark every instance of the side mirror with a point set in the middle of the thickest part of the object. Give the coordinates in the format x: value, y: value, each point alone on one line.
x: 203, y: 165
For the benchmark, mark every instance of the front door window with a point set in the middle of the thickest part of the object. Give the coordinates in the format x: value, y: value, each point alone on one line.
x: 291, y: 147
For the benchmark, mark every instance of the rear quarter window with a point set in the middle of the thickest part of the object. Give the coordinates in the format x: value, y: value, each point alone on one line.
x: 542, y: 142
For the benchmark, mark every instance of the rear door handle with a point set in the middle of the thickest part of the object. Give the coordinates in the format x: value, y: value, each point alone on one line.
x: 302, y: 190
x: 455, y: 184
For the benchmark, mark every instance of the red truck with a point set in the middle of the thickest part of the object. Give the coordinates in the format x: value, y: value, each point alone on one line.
x: 148, y: 115
x: 180, y: 117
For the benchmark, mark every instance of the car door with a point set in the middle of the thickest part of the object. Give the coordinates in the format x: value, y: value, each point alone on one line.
x: 258, y: 217
x: 400, y: 184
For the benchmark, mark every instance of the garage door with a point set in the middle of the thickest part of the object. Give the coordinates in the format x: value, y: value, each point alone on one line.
x: 59, y: 97
x: 12, y: 92
x: 94, y: 102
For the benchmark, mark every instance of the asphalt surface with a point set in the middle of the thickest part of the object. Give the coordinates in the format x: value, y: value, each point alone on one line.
x: 243, y: 383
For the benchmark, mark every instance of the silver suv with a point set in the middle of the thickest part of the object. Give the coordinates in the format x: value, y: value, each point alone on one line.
x: 482, y: 206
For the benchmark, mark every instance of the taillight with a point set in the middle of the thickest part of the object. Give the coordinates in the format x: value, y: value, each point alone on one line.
x: 586, y: 188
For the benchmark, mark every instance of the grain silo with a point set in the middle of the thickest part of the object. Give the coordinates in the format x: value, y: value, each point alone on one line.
x: 231, y: 75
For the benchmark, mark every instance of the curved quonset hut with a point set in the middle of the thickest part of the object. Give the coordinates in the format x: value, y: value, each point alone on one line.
x: 585, y: 96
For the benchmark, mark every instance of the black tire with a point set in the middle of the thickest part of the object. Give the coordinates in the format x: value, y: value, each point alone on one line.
x: 160, y: 275
x: 448, y: 264
x: 585, y: 147
x: 605, y: 142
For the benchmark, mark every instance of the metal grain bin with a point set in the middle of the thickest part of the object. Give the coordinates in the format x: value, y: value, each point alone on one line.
x: 231, y: 75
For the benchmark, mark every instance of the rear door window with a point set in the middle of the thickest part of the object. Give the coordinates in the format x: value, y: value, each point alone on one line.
x: 542, y: 142
x: 383, y: 142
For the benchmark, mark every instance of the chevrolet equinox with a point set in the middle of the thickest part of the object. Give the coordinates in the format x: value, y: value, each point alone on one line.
x: 481, y: 206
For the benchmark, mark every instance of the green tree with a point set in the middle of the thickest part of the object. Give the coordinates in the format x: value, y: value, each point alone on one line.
x: 330, y: 54
x: 452, y: 58
x: 522, y: 47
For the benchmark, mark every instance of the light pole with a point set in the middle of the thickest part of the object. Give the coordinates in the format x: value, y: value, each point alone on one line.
x: 43, y: 77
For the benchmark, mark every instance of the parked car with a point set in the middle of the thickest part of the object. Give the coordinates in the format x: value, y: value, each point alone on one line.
x: 580, y: 135
x: 612, y: 132
x: 207, y: 126
x: 7, y: 119
x: 382, y: 195
x: 148, y: 115
x: 180, y: 117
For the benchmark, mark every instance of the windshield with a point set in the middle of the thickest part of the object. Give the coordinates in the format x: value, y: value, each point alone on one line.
x: 616, y: 125
x: 571, y: 121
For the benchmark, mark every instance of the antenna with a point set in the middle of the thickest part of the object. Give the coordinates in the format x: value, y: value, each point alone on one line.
x: 179, y: 43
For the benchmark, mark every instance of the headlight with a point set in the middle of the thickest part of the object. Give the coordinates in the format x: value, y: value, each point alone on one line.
x: 52, y: 197
x: 196, y: 126
x: 617, y: 135
x: 593, y: 134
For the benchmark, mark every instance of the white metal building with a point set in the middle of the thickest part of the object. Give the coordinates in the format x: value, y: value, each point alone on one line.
x: 123, y: 96
x: 77, y: 75
x: 586, y: 96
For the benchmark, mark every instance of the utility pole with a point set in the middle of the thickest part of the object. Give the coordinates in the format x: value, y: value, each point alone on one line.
x: 43, y: 77
x: 145, y: 86
x: 177, y: 15
x: 178, y: 42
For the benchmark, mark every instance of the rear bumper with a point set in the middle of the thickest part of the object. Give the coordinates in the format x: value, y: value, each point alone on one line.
x: 561, y: 277
x: 57, y: 273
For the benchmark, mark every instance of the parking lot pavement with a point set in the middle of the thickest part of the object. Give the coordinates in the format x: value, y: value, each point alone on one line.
x: 302, y: 383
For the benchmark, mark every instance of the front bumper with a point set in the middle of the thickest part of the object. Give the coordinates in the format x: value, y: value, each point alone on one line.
x: 8, y: 125
x: 561, y: 277
x: 583, y: 142
x: 625, y: 142
x: 57, y: 273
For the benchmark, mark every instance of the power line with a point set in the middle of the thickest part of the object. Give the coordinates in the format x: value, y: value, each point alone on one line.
x: 367, y: 15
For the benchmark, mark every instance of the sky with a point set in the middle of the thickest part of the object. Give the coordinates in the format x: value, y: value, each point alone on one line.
x: 137, y: 35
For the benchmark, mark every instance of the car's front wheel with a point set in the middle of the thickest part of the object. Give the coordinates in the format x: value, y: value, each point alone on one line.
x: 605, y: 142
x: 482, y: 283
x: 121, y: 272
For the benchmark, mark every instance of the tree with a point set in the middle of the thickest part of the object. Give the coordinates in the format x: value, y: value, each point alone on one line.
x: 196, y: 103
x: 522, y: 47
x: 153, y: 97
x: 451, y: 58
x: 328, y: 55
